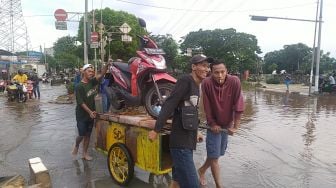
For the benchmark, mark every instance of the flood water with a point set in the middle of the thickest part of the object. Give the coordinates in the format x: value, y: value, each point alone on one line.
x: 284, y: 141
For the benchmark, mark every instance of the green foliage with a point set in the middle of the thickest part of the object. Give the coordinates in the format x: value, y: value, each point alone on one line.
x: 112, y: 20
x: 290, y: 58
x: 296, y: 58
x: 70, y: 87
x: 274, y: 80
x: 327, y: 63
x: 182, y: 63
x: 65, y: 52
x: 239, y: 50
x: 50, y: 61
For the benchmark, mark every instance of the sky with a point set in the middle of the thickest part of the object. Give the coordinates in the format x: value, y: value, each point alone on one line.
x: 178, y: 18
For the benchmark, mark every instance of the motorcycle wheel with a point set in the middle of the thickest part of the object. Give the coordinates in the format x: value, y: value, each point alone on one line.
x: 152, y: 102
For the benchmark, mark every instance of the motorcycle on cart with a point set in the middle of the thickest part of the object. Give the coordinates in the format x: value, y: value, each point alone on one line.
x: 142, y: 81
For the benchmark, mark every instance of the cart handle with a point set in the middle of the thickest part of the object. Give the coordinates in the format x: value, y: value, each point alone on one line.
x: 208, y: 128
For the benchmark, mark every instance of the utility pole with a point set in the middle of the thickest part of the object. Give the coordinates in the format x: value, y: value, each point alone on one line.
x: 86, y: 61
x: 313, y: 56
x: 94, y: 30
x: 318, y: 55
x: 101, y: 36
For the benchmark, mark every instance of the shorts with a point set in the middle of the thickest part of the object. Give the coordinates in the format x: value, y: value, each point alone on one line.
x: 216, y: 144
x: 85, y: 127
x: 184, y: 171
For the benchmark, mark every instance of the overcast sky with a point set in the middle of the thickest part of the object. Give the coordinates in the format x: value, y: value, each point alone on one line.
x: 178, y: 18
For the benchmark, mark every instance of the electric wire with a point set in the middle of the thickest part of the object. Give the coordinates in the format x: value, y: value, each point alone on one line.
x: 195, y: 22
x: 215, y: 11
x: 174, y: 26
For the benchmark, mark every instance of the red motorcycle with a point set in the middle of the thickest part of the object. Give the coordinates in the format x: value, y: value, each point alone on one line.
x: 143, y: 81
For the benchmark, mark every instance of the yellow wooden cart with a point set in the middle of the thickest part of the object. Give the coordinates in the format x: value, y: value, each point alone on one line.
x: 124, y: 138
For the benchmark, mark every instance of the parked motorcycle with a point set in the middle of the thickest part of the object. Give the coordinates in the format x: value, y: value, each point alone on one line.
x: 45, y: 79
x: 143, y: 81
x: 326, y: 87
x: 16, y: 91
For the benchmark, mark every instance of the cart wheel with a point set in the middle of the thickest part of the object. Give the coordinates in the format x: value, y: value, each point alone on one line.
x: 120, y: 164
x: 163, y: 180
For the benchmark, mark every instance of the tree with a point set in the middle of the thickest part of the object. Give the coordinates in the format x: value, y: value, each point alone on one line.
x: 296, y: 58
x: 170, y: 47
x: 239, y: 50
x: 50, y: 61
x: 65, y: 52
x: 327, y: 63
x: 112, y: 20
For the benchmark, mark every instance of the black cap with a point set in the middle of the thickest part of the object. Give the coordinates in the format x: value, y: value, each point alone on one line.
x: 200, y: 58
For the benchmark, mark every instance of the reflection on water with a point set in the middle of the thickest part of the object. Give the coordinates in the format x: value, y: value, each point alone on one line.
x: 286, y: 140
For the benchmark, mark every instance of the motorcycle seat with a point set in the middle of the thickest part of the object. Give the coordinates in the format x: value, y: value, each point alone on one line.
x: 122, y: 66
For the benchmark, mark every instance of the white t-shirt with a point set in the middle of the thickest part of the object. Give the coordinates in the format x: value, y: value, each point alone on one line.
x: 332, y: 80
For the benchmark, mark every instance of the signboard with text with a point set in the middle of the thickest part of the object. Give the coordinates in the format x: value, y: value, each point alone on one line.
x: 60, y: 25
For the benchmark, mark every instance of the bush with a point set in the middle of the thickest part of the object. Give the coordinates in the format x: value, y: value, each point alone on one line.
x: 70, y: 87
x: 273, y: 81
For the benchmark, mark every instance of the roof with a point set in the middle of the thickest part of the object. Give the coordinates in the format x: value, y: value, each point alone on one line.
x: 6, y: 53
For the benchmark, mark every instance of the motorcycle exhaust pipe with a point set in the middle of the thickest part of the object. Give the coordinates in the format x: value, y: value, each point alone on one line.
x: 128, y: 98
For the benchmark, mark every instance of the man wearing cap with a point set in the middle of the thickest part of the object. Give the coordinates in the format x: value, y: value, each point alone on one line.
x: 183, y: 141
x: 85, y: 110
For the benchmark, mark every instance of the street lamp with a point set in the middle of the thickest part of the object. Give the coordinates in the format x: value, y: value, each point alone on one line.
x: 265, y: 18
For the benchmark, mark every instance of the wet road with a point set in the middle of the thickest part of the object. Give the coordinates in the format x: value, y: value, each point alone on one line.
x: 285, y: 141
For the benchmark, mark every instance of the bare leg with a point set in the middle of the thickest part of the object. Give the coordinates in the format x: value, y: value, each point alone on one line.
x: 76, y: 146
x: 202, y: 170
x: 174, y: 184
x: 215, y: 172
x: 85, y: 148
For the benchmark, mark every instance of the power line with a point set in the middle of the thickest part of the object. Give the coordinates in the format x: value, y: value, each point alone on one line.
x: 240, y: 4
x: 197, y: 21
x: 45, y: 15
x: 212, y: 11
x: 174, y: 26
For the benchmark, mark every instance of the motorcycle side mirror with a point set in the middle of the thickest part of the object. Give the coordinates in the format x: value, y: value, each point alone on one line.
x: 142, y: 22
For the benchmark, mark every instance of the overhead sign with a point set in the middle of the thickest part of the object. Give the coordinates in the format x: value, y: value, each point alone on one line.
x: 125, y: 28
x: 60, y: 15
x: 61, y: 25
x: 94, y: 45
x: 35, y: 54
x: 126, y: 38
x: 94, y: 36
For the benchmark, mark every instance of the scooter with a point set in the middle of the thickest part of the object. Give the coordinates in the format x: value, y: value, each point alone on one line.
x: 143, y: 81
x: 16, y: 91
x: 45, y: 79
x: 326, y: 87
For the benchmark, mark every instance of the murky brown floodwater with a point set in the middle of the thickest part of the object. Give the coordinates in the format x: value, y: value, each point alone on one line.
x: 283, y: 142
